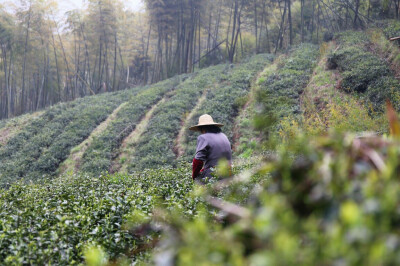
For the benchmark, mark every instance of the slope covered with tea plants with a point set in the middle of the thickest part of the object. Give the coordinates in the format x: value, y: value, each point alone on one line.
x: 39, y: 147
x: 304, y: 191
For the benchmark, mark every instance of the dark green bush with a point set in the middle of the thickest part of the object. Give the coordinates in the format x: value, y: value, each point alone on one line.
x: 364, y: 72
x: 391, y: 28
x: 52, y: 222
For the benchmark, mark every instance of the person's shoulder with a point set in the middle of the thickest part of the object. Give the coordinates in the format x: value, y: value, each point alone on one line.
x: 223, y: 134
x: 201, y: 137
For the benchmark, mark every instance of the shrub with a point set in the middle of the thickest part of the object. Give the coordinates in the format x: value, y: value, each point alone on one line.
x: 391, y: 28
x: 364, y: 72
x: 52, y: 222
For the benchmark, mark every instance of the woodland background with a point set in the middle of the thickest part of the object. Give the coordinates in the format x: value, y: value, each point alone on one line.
x: 46, y: 59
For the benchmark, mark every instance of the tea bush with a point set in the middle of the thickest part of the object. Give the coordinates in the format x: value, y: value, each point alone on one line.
x: 11, y: 127
x: 155, y: 148
x: 325, y: 108
x: 42, y: 145
x: 98, y: 157
x: 391, y: 28
x: 225, y: 101
x: 364, y: 72
x: 53, y: 221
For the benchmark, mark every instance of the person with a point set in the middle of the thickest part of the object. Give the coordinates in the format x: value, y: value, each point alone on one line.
x: 212, y: 146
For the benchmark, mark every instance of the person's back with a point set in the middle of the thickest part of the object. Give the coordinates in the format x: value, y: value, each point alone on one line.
x: 212, y: 146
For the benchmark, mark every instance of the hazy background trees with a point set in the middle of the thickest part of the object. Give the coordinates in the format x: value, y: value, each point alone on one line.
x: 46, y: 59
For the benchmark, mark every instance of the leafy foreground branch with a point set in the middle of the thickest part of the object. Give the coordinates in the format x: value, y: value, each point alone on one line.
x: 335, y: 201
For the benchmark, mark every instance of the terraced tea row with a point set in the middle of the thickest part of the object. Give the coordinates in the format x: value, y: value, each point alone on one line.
x: 155, y: 148
x: 11, y: 127
x: 325, y: 107
x: 363, y: 72
x: 279, y: 92
x: 105, y: 147
x: 224, y: 102
x: 42, y: 145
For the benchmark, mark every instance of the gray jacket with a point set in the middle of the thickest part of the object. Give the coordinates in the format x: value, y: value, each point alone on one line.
x: 211, y: 147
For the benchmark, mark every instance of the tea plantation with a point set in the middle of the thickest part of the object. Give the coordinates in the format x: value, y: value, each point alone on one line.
x: 363, y: 72
x: 155, y: 148
x: 45, y: 142
x: 99, y: 155
x: 304, y: 191
x: 224, y: 101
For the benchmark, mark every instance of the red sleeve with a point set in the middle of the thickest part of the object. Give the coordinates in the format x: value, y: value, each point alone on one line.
x: 197, y: 165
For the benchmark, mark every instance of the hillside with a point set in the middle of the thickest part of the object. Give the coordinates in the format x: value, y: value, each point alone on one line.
x: 90, y: 134
x: 108, y: 178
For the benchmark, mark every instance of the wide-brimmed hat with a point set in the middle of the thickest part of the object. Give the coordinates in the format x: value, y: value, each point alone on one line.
x: 205, y: 120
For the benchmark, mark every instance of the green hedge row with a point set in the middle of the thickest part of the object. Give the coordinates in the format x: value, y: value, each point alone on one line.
x: 98, y: 157
x: 11, y: 127
x: 279, y: 93
x: 43, y: 144
x: 364, y: 72
x: 155, y: 147
x: 52, y: 222
x: 391, y: 28
x: 224, y: 102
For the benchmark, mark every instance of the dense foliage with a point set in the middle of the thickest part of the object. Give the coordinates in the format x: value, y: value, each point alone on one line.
x: 98, y: 157
x: 52, y: 222
x: 224, y: 101
x: 41, y: 146
x: 319, y: 200
x: 325, y: 107
x: 336, y: 202
x: 391, y: 28
x: 364, y: 72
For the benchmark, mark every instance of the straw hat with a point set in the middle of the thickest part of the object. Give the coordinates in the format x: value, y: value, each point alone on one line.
x: 205, y: 120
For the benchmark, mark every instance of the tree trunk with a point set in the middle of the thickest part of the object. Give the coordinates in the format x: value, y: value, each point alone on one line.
x: 302, y: 20
x: 356, y: 14
x: 280, y: 33
x: 115, y: 63
x: 256, y: 24
x: 290, y: 23
x: 22, y: 103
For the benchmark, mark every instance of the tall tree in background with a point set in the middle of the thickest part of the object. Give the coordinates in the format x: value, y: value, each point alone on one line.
x: 105, y: 47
